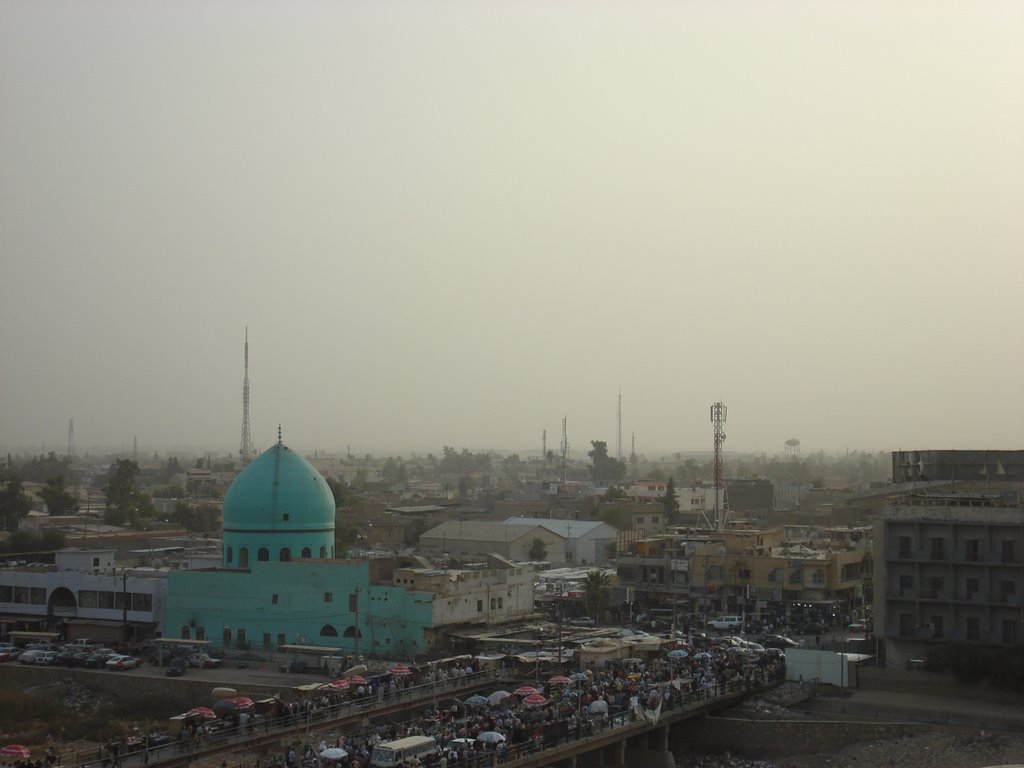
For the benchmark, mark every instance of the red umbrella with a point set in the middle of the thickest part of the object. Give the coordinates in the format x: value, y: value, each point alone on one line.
x: 204, y: 712
x: 525, y: 690
x: 341, y: 684
x: 16, y: 750
x: 535, y: 700
x: 357, y: 680
x: 559, y: 680
x: 240, y: 702
x: 400, y: 670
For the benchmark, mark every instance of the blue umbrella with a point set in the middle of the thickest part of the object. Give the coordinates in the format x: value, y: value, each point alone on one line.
x: 678, y: 653
x: 476, y: 700
x: 579, y: 677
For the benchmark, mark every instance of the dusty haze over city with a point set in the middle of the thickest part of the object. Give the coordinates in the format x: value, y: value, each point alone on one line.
x: 457, y: 222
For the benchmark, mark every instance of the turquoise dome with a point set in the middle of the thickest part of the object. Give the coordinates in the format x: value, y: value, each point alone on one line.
x: 279, y: 506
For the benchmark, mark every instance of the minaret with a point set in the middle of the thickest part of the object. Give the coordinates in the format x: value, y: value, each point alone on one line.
x: 245, y: 451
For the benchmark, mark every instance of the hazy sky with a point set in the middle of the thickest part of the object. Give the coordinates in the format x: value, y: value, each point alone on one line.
x: 456, y: 222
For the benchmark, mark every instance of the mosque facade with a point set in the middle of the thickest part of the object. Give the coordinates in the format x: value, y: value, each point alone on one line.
x: 279, y: 582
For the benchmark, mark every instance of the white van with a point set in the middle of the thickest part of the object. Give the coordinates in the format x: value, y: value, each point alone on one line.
x: 724, y: 623
x: 393, y: 753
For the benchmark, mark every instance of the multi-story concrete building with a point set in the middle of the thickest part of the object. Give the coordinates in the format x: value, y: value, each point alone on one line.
x: 949, y: 568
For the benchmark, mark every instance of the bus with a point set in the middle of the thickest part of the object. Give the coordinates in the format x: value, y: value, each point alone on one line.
x: 393, y: 753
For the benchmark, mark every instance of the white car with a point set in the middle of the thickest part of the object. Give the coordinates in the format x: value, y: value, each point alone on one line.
x: 122, y: 662
x: 723, y: 623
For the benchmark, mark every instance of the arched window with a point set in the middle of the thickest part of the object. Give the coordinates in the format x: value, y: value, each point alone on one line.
x: 243, y: 557
x: 230, y: 555
x: 286, y: 555
x: 323, y: 552
x: 306, y: 552
x: 328, y: 631
x: 353, y: 632
x: 263, y: 555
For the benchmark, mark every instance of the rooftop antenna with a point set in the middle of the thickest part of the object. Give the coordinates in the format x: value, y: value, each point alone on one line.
x: 245, y: 450
x: 718, y: 416
x: 71, y: 438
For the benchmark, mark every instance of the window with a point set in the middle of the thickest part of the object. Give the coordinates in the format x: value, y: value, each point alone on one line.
x: 501, y: 603
x: 353, y: 602
x: 640, y: 520
x: 906, y: 624
x: 243, y: 557
x: 95, y: 562
x: 307, y: 552
x: 266, y: 641
x: 263, y: 555
x: 906, y: 584
x: 227, y: 636
x: 494, y: 603
x: 142, y: 601
x: 1009, y: 632
x: 1008, y: 550
x: 1006, y: 588
x: 972, y: 550
x: 240, y: 639
x: 87, y: 598
x: 973, y: 628
x: 281, y: 638
x: 938, y: 548
x: 818, y: 576
x: 230, y: 556
x: 323, y: 552
x: 797, y: 576
x: 273, y: 599
x: 328, y: 597
x: 185, y: 632
x: 744, y: 573
x: 936, y: 626
x: 285, y: 555
x: 905, y: 548
x: 971, y: 586
x: 328, y: 631
x: 479, y: 606
x: 935, y: 585
x: 285, y: 517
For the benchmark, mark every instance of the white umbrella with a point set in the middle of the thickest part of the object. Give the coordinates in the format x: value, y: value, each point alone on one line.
x: 490, y: 737
x: 333, y: 753
x: 599, y: 706
x: 498, y: 696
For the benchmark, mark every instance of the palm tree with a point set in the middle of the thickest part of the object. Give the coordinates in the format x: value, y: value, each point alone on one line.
x: 597, y: 594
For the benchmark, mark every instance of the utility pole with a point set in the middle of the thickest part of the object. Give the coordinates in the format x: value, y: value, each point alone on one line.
x: 355, y: 660
x: 124, y: 600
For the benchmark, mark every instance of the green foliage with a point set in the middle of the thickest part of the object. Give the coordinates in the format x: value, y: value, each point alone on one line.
x: 512, y: 467
x: 394, y: 470
x: 14, y: 504
x: 597, y: 594
x: 538, y: 549
x: 40, y: 469
x: 340, y: 491
x: 125, y: 504
x: 201, y: 518
x: 617, y: 517
x: 614, y: 493
x: 345, y: 536
x: 27, y: 541
x: 58, y: 500
x: 604, y: 468
x: 455, y: 463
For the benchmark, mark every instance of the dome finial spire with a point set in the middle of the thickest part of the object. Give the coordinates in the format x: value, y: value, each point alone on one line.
x: 278, y: 434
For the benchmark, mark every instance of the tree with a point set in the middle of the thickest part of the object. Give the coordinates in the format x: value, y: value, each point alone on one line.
x: 14, y: 504
x: 605, y: 469
x: 671, y: 502
x: 125, y: 504
x: 538, y: 549
x: 340, y: 491
x: 597, y: 594
x: 414, y: 530
x: 58, y: 500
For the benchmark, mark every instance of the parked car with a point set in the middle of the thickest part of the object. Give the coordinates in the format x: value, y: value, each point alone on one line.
x: 121, y: 661
x: 9, y: 652
x: 726, y: 623
x: 99, y: 657
x: 777, y: 641
x: 49, y: 658
x: 177, y: 668
x: 203, y: 661
x: 582, y: 621
x: 29, y: 656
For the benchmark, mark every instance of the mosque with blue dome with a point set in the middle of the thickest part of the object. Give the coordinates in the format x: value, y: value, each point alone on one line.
x: 279, y: 582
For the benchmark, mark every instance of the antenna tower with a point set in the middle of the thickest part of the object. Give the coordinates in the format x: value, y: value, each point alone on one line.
x: 245, y: 451
x: 71, y: 438
x: 544, y: 444
x: 718, y: 415
x: 565, y: 447
x: 618, y: 444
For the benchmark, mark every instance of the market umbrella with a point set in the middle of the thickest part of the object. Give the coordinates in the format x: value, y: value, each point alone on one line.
x: 16, y: 750
x: 476, y: 700
x: 598, y: 707
x: 400, y: 670
x: 204, y: 712
x: 579, y: 677
x: 341, y: 684
x: 333, y: 753
x: 559, y: 680
x: 525, y: 690
x: 357, y: 680
x: 491, y: 737
x: 535, y: 700
x: 240, y: 702
x: 497, y: 697
x: 678, y: 653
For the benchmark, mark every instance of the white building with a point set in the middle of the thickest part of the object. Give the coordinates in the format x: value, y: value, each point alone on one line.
x: 585, y: 542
